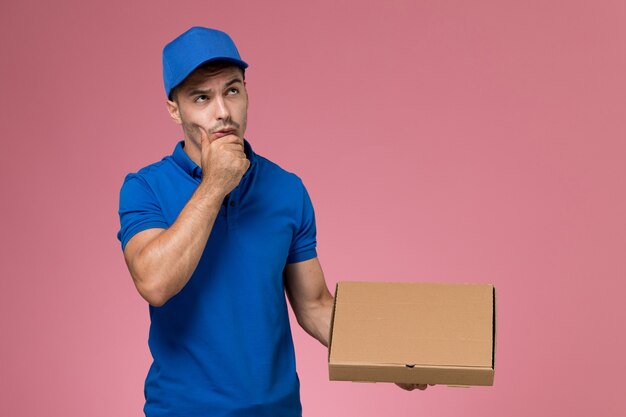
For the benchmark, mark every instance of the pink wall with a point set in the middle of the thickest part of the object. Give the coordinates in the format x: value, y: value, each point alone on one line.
x: 446, y: 141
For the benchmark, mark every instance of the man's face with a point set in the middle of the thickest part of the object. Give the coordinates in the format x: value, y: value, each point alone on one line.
x: 213, y: 99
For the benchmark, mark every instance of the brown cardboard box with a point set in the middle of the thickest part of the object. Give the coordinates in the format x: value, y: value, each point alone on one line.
x: 418, y: 333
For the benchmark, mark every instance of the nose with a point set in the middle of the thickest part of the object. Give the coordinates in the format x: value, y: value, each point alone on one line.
x: 222, y: 111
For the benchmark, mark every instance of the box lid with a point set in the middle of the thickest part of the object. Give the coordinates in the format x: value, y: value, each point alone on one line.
x: 422, y: 324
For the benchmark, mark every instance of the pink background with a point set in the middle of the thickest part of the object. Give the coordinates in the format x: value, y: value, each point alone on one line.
x: 445, y: 141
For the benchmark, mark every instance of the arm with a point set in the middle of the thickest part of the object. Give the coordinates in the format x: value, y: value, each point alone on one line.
x: 161, y: 261
x: 310, y: 299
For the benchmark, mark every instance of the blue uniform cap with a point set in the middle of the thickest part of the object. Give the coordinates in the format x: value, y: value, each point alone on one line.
x: 193, y: 48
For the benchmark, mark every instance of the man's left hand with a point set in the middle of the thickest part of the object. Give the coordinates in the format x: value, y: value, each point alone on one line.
x: 411, y: 387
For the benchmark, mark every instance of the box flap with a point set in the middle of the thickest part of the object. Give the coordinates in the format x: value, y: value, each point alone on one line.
x: 422, y: 324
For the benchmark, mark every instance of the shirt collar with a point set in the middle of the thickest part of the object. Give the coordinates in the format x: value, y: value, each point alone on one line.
x: 182, y: 159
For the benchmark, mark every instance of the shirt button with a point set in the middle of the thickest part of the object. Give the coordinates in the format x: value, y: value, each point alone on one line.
x: 232, y: 204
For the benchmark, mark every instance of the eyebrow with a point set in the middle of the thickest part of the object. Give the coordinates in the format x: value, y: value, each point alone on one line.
x: 228, y: 84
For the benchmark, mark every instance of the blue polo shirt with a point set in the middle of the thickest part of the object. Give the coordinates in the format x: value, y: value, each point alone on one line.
x: 222, y: 346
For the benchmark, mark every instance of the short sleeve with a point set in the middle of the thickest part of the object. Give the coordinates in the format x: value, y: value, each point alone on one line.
x: 304, y: 241
x: 138, y: 210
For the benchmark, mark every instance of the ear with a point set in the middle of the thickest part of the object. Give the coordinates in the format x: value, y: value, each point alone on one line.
x: 174, y: 111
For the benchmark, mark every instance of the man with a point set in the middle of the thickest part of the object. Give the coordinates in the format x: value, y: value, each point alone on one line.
x: 213, y: 236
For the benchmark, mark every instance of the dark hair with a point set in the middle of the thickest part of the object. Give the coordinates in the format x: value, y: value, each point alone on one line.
x: 208, y: 66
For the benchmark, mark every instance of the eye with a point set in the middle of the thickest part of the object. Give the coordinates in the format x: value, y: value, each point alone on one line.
x: 233, y: 90
x: 201, y: 99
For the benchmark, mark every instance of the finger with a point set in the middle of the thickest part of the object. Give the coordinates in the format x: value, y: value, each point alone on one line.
x: 422, y: 386
x: 204, y: 137
x: 230, y: 138
x: 235, y: 148
x: 232, y: 145
x: 407, y: 387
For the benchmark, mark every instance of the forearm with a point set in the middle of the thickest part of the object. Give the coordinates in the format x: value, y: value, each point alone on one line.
x: 316, y: 318
x: 165, y: 265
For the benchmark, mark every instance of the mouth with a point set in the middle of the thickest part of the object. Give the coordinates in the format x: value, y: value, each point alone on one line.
x: 224, y: 132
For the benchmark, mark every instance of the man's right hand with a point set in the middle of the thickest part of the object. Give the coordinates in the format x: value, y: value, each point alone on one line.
x: 223, y: 161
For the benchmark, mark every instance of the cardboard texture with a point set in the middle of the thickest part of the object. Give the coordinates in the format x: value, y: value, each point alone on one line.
x: 419, y: 333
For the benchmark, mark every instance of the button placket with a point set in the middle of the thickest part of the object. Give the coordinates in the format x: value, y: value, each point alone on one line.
x: 232, y: 208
